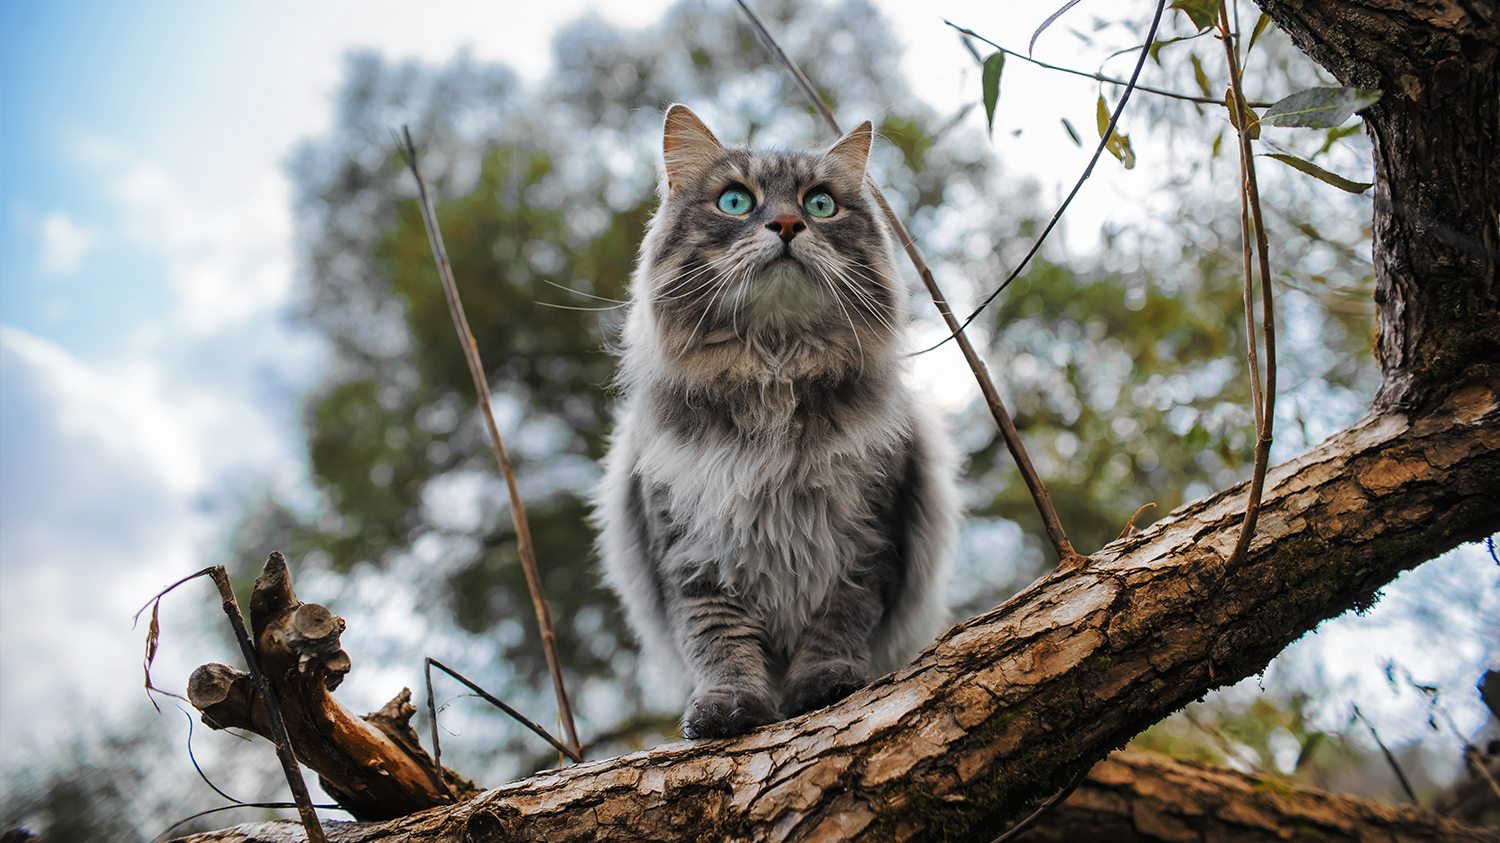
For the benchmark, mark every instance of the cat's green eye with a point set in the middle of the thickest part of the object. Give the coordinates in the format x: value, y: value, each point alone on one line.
x: 820, y: 204
x: 736, y: 201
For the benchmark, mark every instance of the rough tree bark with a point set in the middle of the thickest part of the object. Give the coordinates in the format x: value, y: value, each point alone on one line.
x: 1141, y: 797
x: 1008, y: 707
x: 1436, y: 139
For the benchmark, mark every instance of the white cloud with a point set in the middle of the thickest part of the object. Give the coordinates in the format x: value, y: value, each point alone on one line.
x: 91, y: 502
x: 227, y: 262
x: 116, y: 479
x: 64, y: 244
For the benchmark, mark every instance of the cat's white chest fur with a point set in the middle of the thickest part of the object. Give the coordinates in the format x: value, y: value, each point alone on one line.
x: 779, y: 521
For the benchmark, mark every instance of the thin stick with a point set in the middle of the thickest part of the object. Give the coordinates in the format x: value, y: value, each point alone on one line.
x: 282, y: 741
x: 492, y: 700
x: 1097, y: 77
x: 1264, y: 401
x: 482, y: 388
x: 1108, y: 132
x: 1067, y: 558
x: 1390, y: 758
x: 1035, y: 816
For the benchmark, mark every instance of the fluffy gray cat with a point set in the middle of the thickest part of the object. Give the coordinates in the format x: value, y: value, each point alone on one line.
x: 777, y: 511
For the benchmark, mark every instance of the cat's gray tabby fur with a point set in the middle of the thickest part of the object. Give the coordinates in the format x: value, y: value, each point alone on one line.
x: 777, y: 511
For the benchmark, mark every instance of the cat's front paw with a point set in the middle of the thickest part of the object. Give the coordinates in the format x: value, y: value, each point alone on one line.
x: 822, y: 684
x: 724, y: 712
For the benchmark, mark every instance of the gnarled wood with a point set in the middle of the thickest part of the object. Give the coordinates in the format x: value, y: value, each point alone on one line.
x: 374, y: 766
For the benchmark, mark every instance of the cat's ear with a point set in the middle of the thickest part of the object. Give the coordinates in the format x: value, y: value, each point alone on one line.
x: 853, y: 150
x: 687, y: 146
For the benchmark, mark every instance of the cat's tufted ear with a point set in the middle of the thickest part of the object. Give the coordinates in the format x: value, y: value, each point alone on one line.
x: 687, y: 146
x: 852, y: 150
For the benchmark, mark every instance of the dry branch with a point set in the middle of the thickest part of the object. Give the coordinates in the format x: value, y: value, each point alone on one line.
x: 524, y: 548
x: 1008, y: 706
x: 374, y: 766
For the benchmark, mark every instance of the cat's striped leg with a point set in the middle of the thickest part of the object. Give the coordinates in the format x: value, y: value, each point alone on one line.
x: 726, y: 650
x: 832, y: 656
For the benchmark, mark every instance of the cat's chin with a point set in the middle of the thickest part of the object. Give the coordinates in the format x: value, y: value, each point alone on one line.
x: 783, y: 297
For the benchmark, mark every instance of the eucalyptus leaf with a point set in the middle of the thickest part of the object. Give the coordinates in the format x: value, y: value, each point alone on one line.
x: 1072, y: 132
x: 1117, y: 144
x: 1251, y: 124
x: 1202, y: 13
x: 1319, y: 108
x: 1320, y: 174
x: 990, y: 80
x: 1199, y: 76
x: 1048, y: 22
x: 1260, y: 26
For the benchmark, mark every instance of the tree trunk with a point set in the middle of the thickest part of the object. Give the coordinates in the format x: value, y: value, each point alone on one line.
x: 1436, y: 139
x: 1008, y: 707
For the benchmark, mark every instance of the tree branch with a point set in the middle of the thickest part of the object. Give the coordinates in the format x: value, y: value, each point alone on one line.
x: 1142, y: 797
x: 1006, y: 707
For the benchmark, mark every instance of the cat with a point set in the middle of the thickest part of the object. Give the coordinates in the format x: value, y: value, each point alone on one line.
x: 777, y: 510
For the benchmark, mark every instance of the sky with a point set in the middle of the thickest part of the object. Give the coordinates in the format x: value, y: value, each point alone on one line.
x: 150, y: 375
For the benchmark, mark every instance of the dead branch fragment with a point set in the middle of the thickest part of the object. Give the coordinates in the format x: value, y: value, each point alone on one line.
x: 374, y: 766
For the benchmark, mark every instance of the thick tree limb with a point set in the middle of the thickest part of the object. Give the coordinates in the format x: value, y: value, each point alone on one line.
x: 1142, y: 797
x: 1006, y: 707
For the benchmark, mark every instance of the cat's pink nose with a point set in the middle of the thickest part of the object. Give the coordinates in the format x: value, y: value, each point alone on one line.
x: 786, y: 227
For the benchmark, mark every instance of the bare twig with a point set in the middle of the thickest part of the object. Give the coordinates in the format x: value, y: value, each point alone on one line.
x: 1108, y: 132
x: 1042, y: 810
x: 437, y: 756
x: 1264, y: 400
x: 1097, y: 77
x: 1390, y: 758
x: 280, y: 739
x: 517, y: 509
x: 1067, y: 557
x: 1130, y: 525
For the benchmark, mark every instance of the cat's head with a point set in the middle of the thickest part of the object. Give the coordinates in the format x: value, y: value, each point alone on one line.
x: 766, y: 253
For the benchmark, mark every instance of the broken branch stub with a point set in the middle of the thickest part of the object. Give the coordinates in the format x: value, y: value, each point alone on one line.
x: 373, y: 766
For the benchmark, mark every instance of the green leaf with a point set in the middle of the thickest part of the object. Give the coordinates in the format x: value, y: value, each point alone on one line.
x: 1319, y: 108
x: 1072, y: 132
x: 1252, y: 122
x: 1218, y: 142
x: 1260, y: 26
x: 991, y: 83
x: 1200, y: 76
x: 1117, y: 144
x: 1319, y: 173
x: 1031, y: 47
x: 1202, y: 13
x: 1336, y: 135
x: 969, y: 45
